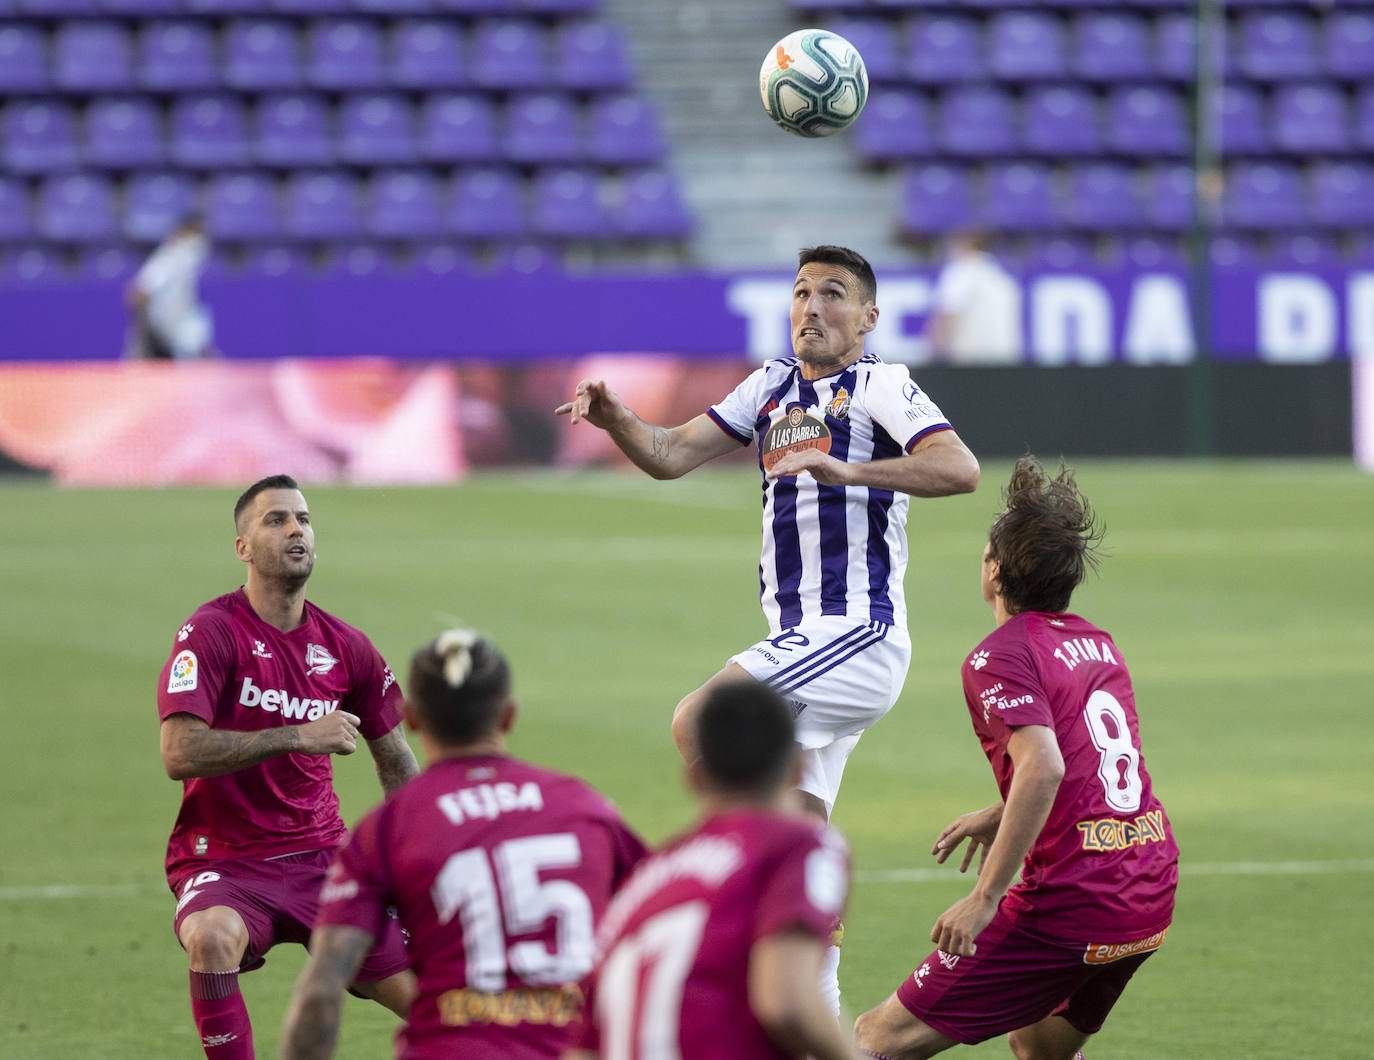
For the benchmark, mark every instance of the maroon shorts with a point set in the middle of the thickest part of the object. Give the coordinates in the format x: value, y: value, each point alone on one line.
x: 278, y: 901
x: 1017, y: 979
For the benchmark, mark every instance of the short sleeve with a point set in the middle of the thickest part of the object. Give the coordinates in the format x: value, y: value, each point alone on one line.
x: 375, y: 696
x: 1002, y: 678
x: 355, y: 891
x: 202, y: 659
x: 900, y: 407
x: 737, y: 413
x: 808, y: 888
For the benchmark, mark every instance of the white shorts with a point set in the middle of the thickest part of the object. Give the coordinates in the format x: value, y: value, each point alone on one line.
x: 839, y: 679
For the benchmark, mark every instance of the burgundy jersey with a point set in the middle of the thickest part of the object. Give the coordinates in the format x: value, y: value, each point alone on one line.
x: 235, y: 672
x: 500, y: 871
x: 672, y: 975
x: 1105, y: 865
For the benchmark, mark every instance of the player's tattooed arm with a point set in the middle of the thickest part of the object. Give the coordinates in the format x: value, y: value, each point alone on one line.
x: 394, y: 759
x: 312, y: 1021
x: 190, y: 748
x: 660, y: 445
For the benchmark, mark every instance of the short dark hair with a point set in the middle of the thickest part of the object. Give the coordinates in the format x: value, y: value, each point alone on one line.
x: 828, y: 254
x: 271, y: 482
x: 746, y: 737
x: 1045, y: 540
x: 457, y: 684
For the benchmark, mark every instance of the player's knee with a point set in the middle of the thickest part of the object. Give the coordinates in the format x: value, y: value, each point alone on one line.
x: 684, y: 715
x: 214, y: 941
x: 866, y: 1034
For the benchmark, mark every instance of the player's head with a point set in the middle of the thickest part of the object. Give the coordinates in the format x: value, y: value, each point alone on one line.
x: 746, y: 740
x: 833, y: 306
x: 274, y: 535
x: 458, y: 691
x: 1043, y: 544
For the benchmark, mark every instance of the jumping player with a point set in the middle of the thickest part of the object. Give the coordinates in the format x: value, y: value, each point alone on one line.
x: 261, y: 689
x: 1052, y: 704
x: 499, y: 870
x: 713, y: 948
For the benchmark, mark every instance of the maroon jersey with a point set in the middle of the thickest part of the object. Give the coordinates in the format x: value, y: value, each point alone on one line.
x: 500, y: 871
x: 672, y: 975
x: 1105, y: 865
x: 234, y: 671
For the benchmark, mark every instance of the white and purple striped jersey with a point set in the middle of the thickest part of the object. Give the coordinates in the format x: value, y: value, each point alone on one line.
x: 830, y: 550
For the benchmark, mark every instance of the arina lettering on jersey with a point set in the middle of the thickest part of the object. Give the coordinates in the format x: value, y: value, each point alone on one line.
x: 548, y: 1006
x: 291, y: 707
x: 487, y: 802
x: 1079, y: 650
x: 1110, y: 833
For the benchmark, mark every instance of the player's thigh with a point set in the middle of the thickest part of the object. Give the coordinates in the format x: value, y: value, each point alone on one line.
x: 891, y: 1029
x: 685, y: 713
x: 215, y: 938
x: 1053, y: 1038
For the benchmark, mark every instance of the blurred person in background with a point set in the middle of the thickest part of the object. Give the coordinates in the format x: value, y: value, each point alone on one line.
x: 975, y: 316
x: 169, y: 320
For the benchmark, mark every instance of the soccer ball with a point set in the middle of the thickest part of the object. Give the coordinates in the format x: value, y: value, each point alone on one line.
x: 813, y: 83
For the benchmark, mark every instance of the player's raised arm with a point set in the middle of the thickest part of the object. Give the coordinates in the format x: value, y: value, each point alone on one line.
x: 662, y: 452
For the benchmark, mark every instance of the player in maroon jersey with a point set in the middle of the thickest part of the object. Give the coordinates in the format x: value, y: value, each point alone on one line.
x: 713, y: 948
x: 1051, y: 701
x: 499, y: 870
x: 261, y: 689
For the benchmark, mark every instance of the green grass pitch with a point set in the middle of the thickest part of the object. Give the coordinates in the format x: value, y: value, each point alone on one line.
x: 1242, y: 595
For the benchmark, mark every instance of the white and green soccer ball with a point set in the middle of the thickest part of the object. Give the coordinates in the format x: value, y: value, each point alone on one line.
x: 813, y: 83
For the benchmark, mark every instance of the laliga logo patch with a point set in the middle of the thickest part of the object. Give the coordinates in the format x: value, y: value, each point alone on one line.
x: 185, y: 672
x: 839, y: 405
x: 795, y: 432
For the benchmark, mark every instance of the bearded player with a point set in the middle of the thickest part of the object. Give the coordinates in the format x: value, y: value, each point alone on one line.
x: 262, y: 688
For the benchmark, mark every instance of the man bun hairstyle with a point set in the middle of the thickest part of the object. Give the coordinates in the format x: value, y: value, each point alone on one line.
x: 844, y: 258
x: 271, y: 482
x: 1046, y: 540
x: 457, y: 684
x: 746, y: 737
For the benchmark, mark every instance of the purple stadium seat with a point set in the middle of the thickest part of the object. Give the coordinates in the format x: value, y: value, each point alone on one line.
x: 376, y: 128
x: 261, y: 54
x: 625, y: 131
x: 440, y: 259
x: 1175, y: 47
x: 1263, y: 195
x: 39, y: 137
x: 1349, y: 44
x: 1103, y: 196
x: 1058, y: 254
x: 876, y: 40
x: 1306, y: 252
x: 178, y: 56
x: 1243, y: 128
x: 225, y: 8
x: 566, y: 204
x: 154, y: 203
x: 392, y: 7
x: 1277, y: 44
x: 1169, y: 202
x: 591, y: 57
x: 478, y: 8
x: 943, y: 48
x: 403, y: 204
x: 92, y: 57
x: 1143, y: 120
x: 508, y: 54
x: 1310, y: 119
x: 555, y: 8
x: 16, y: 221
x: 301, y: 8
x: 1363, y: 132
x: 321, y: 207
x: 1151, y: 254
x: 32, y: 265
x: 1025, y: 46
x: 108, y: 264
x: 652, y: 207
x: 542, y: 128
x: 976, y: 121
x: 274, y: 261
x: 427, y: 53
x: 242, y: 207
x: 458, y: 128
x: 486, y: 204
x: 1342, y: 194
x: 293, y: 130
x: 140, y: 9
x: 57, y: 8
x: 1018, y: 198
x: 23, y: 59
x: 208, y: 132
x: 1060, y: 120
x: 1111, y: 46
x: 936, y: 199
x: 355, y: 259
x: 1233, y: 252
x: 124, y: 133
x: 896, y: 125
x: 77, y: 208
x: 344, y: 55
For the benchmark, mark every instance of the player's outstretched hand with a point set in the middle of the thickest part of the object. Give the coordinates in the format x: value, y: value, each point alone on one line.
x: 823, y: 467
x: 978, y: 827
x: 594, y: 402
x: 959, y: 925
x: 334, y: 734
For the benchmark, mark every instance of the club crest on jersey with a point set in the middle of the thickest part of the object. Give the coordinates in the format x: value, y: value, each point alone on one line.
x: 185, y: 672
x: 318, y: 660
x: 795, y: 432
x: 839, y: 405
